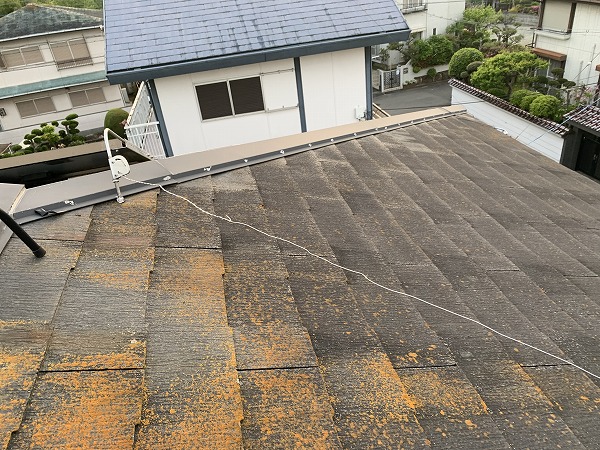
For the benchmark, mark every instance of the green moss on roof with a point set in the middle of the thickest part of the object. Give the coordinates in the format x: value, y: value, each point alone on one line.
x: 35, y: 19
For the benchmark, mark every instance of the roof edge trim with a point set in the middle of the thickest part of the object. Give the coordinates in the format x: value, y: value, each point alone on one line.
x: 99, y: 26
x: 240, y: 59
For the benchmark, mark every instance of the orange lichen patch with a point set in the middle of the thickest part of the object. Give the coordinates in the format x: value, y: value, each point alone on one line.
x: 443, y: 391
x: 132, y: 358
x: 17, y: 375
x: 286, y: 409
x: 191, y: 282
x: 193, y: 412
x: 273, y: 345
x: 380, y: 409
x: 77, y: 410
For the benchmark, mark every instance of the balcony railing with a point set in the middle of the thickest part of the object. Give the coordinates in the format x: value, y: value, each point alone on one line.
x: 409, y: 6
x: 142, y: 127
x: 74, y: 63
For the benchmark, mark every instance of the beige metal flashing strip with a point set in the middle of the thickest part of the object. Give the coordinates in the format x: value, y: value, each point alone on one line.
x: 56, y: 198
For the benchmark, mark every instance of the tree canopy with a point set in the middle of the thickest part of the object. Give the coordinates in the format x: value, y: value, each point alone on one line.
x: 501, y: 73
x: 475, y: 27
x: 8, y: 6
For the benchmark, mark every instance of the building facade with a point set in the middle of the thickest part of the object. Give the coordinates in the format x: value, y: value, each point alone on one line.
x: 51, y: 65
x: 568, y: 36
x: 244, y: 73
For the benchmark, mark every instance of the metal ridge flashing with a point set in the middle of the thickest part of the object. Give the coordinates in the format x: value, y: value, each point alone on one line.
x: 79, y: 192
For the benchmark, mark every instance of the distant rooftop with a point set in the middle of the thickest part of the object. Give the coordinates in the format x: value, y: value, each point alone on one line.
x: 586, y: 117
x: 34, y: 19
x: 141, y: 35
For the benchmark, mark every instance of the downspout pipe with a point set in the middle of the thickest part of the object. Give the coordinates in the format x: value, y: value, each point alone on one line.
x: 38, y: 251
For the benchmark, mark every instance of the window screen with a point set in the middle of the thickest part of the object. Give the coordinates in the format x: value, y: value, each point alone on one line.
x: 61, y: 51
x: 13, y: 58
x: 214, y: 100
x: 228, y: 98
x: 35, y: 107
x: 32, y: 55
x: 246, y: 95
x: 70, y: 53
x: 87, y: 97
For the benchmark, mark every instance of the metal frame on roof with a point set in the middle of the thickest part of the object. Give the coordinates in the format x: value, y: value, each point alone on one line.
x: 36, y: 203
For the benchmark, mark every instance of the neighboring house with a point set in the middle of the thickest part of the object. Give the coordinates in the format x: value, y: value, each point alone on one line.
x: 582, y: 150
x: 150, y: 325
x: 52, y: 65
x: 427, y: 18
x: 568, y: 36
x: 230, y: 72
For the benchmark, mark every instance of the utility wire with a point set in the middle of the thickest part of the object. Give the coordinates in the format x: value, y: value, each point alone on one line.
x: 228, y: 219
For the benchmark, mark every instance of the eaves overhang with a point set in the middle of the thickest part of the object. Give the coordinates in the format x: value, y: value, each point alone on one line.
x: 48, y: 85
x: 241, y: 59
x: 49, y: 33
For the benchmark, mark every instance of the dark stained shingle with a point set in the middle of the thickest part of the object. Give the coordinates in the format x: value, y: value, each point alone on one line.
x: 35, y: 19
x: 161, y: 327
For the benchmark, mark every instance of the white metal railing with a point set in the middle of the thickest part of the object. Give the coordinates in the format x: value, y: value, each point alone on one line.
x: 147, y: 137
x: 141, y: 126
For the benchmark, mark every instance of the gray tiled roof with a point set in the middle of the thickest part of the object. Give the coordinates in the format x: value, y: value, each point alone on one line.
x: 587, y: 117
x: 151, y: 325
x: 35, y: 19
x: 142, y: 34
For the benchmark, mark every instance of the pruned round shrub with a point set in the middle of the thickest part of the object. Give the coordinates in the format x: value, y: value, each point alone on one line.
x: 431, y: 73
x: 461, y: 59
x: 499, y: 92
x: 517, y: 96
x: 526, y: 101
x: 472, y: 67
x: 546, y: 106
x: 114, y: 121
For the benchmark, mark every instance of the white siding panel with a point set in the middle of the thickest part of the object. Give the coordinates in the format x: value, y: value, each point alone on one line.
x: 188, y: 133
x: 334, y: 84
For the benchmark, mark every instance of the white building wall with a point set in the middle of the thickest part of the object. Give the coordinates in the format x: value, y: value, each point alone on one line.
x: 187, y: 131
x: 582, y: 45
x: 535, y: 137
x: 334, y: 85
x: 91, y: 117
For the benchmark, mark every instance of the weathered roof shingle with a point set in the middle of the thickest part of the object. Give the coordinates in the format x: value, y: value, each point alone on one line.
x: 150, y: 324
x: 35, y: 19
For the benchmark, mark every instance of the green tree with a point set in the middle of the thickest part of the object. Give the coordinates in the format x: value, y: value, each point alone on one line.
x: 461, y: 59
x: 505, y: 71
x: 8, y: 6
x: 428, y: 52
x: 546, y: 106
x: 475, y: 27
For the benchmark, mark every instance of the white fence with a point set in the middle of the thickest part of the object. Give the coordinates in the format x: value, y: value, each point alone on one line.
x: 142, y: 127
x: 536, y: 137
x: 392, y: 80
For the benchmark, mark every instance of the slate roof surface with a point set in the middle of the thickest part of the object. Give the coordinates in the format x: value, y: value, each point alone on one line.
x: 149, y: 324
x: 35, y: 19
x: 140, y: 33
